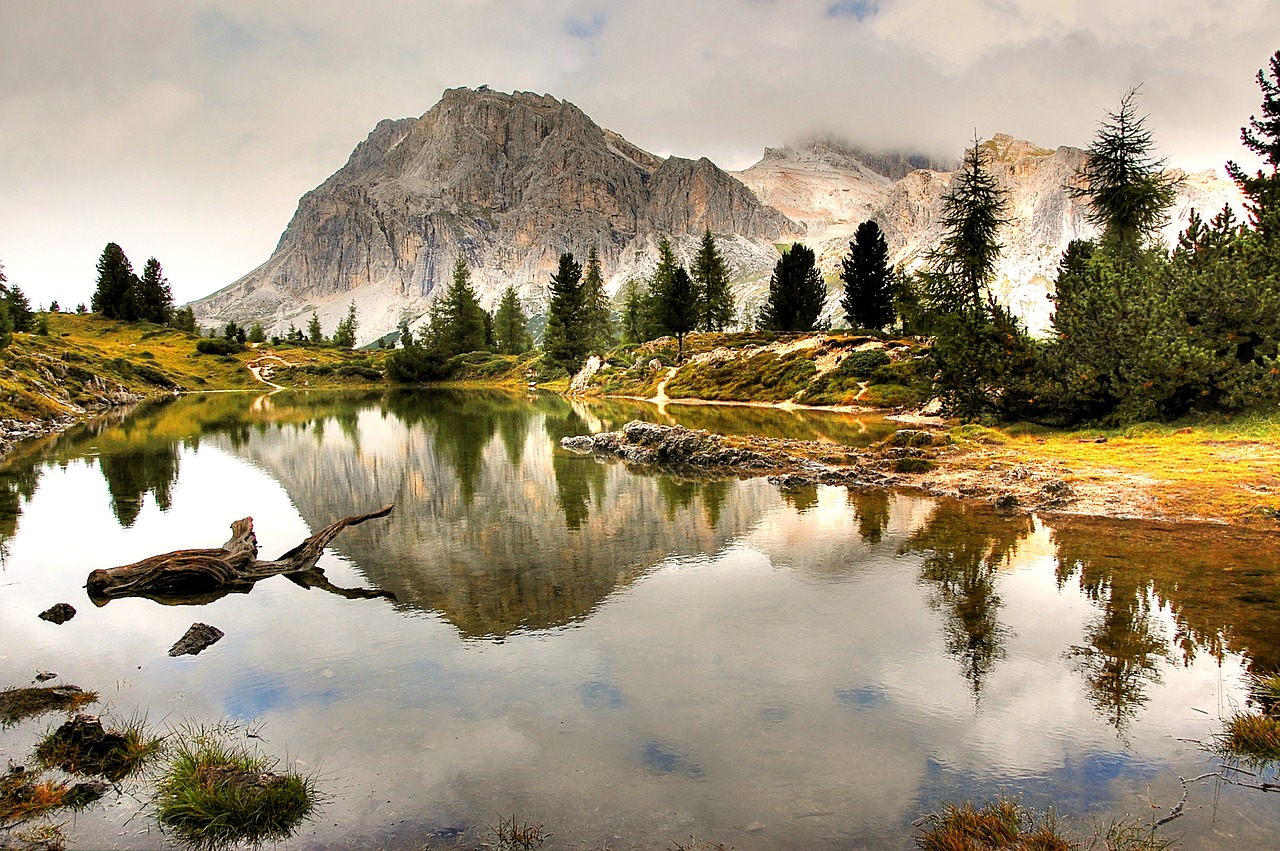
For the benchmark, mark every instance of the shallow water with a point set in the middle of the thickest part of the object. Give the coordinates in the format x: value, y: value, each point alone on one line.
x: 630, y: 660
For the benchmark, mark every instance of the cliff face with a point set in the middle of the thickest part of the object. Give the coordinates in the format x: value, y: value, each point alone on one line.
x: 506, y: 181
x: 510, y: 181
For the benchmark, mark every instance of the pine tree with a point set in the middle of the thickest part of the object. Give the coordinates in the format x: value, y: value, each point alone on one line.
x: 344, y: 336
x: 1262, y: 136
x: 797, y: 292
x: 153, y: 299
x: 597, y: 319
x: 510, y: 325
x: 868, y: 280
x: 679, y: 308
x: 184, y: 319
x: 257, y: 334
x: 457, y: 320
x: 6, y: 326
x: 315, y: 335
x: 634, y: 310
x: 16, y: 305
x: 711, y: 278
x: 1129, y: 195
x: 113, y: 298
x: 960, y: 268
x: 652, y: 326
x: 564, y: 341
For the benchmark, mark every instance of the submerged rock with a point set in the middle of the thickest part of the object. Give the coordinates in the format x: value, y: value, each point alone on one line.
x: 59, y: 614
x: 196, y: 639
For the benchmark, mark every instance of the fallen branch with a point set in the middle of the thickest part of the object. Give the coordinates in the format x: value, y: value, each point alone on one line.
x: 203, y: 575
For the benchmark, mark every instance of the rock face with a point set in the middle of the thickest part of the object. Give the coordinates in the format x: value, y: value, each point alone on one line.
x: 505, y: 181
x: 509, y: 181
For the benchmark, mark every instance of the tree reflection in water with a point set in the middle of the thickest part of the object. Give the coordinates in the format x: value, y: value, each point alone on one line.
x: 964, y: 547
x: 579, y: 478
x: 873, y: 513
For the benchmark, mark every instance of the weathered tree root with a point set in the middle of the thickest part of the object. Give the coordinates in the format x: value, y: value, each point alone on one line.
x: 203, y: 575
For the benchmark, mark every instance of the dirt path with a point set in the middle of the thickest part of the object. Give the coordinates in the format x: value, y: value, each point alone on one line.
x: 261, y: 369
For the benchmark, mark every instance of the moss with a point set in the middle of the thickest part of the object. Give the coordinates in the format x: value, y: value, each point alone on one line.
x: 912, y: 464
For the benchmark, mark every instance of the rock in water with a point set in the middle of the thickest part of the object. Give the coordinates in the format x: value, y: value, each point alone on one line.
x: 200, y: 636
x: 59, y: 614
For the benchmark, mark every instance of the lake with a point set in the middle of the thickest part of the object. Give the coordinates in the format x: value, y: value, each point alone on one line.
x: 630, y: 659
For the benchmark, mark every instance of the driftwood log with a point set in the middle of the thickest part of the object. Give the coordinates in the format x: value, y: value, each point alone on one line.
x: 187, y: 577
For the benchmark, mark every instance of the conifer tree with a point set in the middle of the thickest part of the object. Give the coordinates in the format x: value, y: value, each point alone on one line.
x: 315, y: 335
x: 113, y: 298
x: 15, y: 301
x: 510, y: 325
x: 678, y: 308
x: 797, y: 292
x: 711, y: 279
x: 868, y: 280
x: 960, y: 268
x: 652, y: 325
x: 153, y: 299
x: 1262, y: 136
x: 257, y: 334
x: 597, y: 321
x: 634, y: 310
x: 344, y: 336
x: 564, y: 341
x: 6, y: 323
x: 457, y: 324
x: 1129, y: 195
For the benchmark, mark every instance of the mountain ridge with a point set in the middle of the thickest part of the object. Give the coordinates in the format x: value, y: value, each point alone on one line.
x: 508, y: 182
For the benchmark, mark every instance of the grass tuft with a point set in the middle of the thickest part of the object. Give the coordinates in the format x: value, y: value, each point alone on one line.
x: 1251, y: 737
x: 25, y: 796
x: 511, y: 835
x: 216, y: 793
x: 83, y: 746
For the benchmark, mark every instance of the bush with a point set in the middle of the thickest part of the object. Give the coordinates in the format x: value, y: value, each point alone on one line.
x: 890, y: 396
x: 217, y: 346
x: 862, y: 363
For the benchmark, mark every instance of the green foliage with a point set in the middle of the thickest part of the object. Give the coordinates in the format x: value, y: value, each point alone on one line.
x: 710, y: 276
x: 1262, y: 136
x: 152, y: 297
x: 256, y: 333
x: 1128, y: 192
x: 115, y: 281
x: 678, y: 308
x: 862, y: 363
x: 596, y: 320
x: 416, y: 364
x: 315, y: 336
x: 634, y: 309
x: 986, y: 364
x: 457, y: 321
x: 217, y: 793
x: 565, y: 341
x: 344, y: 336
x: 796, y: 292
x: 6, y: 326
x: 184, y: 319
x: 511, y: 326
x: 218, y: 346
x: 868, y: 280
x: 960, y: 268
x: 764, y: 377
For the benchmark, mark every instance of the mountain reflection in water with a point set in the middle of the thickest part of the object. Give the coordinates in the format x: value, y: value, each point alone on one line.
x: 627, y: 656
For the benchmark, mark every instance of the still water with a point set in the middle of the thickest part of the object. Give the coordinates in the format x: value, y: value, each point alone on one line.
x: 630, y: 659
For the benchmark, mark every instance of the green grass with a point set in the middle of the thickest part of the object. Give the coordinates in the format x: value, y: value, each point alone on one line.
x: 763, y: 377
x: 83, y: 746
x: 1250, y: 737
x: 216, y: 793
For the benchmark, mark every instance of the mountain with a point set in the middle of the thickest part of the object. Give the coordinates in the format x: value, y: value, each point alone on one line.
x: 510, y: 181
x: 507, y: 182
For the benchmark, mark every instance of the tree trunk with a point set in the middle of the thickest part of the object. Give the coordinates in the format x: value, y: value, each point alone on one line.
x: 201, y: 576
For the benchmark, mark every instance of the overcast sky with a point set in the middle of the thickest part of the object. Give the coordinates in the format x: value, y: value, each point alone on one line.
x: 188, y: 130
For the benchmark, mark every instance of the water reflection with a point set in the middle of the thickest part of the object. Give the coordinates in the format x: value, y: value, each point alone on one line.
x: 964, y: 548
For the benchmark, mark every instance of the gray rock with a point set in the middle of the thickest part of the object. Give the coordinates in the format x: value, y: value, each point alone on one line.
x: 583, y: 443
x: 196, y: 639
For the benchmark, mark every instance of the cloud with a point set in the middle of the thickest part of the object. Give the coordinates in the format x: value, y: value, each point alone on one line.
x: 189, y: 131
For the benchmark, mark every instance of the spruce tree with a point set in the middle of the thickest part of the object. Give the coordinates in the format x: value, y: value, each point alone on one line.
x: 797, y: 292
x: 113, y: 298
x: 959, y: 270
x: 15, y: 301
x: 257, y: 334
x: 652, y: 325
x: 153, y: 299
x: 1262, y: 136
x: 868, y: 280
x: 597, y: 318
x: 6, y: 326
x: 679, y: 308
x: 458, y: 320
x: 634, y: 310
x: 344, y: 336
x: 1129, y: 195
x: 315, y: 335
x: 711, y: 278
x: 564, y: 341
x: 510, y: 325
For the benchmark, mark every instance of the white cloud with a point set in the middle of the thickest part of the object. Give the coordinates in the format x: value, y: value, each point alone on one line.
x: 189, y: 131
